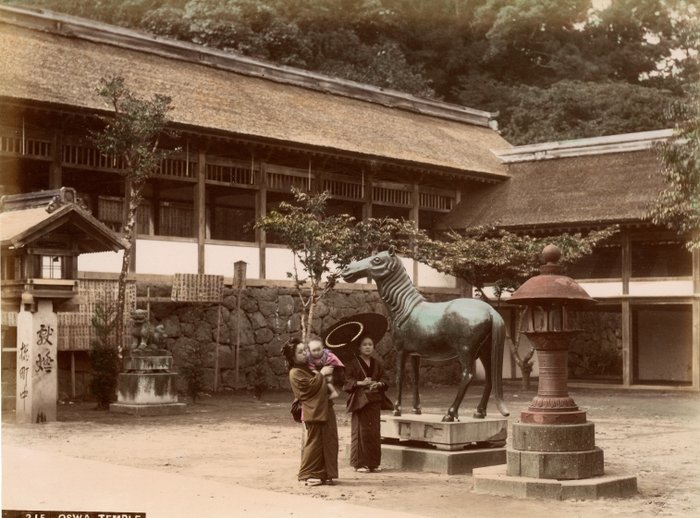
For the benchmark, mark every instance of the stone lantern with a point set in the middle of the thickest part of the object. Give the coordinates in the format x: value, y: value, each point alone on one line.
x: 552, y: 452
x: 41, y: 236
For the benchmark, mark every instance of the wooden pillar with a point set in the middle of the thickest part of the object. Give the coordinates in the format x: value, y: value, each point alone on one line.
x: 695, y: 370
x: 626, y: 317
x: 55, y: 169
x: 415, y: 217
x: 155, y: 208
x: 200, y: 209
x: 260, y: 212
x: 72, y: 374
x: 367, y: 205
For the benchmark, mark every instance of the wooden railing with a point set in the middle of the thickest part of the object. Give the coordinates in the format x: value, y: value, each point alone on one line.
x: 344, y: 189
x: 280, y: 178
x: 229, y: 172
x: 15, y: 145
x: 391, y: 194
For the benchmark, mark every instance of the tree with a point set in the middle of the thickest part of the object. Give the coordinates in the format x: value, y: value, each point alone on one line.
x: 678, y: 205
x: 131, y: 135
x: 323, y: 244
x: 193, y: 368
x: 487, y: 255
x: 104, y: 357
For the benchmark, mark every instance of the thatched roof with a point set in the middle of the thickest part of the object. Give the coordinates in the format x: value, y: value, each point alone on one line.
x: 579, y: 190
x: 57, y: 59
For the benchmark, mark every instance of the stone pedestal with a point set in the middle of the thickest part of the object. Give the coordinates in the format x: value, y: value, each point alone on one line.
x: 37, y: 371
x: 147, y: 387
x: 494, y: 480
x: 425, y: 443
x: 553, y: 452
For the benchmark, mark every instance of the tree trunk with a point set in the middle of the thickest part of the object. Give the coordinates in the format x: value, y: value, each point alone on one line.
x: 130, y: 236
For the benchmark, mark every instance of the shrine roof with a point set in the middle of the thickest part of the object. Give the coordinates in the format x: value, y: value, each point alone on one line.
x: 595, y: 182
x: 23, y: 226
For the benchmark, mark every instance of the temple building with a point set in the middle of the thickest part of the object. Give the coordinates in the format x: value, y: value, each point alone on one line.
x: 246, y: 131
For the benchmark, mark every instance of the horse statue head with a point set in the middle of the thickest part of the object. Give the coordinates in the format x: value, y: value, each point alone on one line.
x: 376, y: 267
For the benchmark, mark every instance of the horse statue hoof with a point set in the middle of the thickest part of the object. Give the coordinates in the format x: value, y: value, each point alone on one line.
x: 396, y: 412
x: 417, y: 411
x: 479, y: 414
x: 449, y: 419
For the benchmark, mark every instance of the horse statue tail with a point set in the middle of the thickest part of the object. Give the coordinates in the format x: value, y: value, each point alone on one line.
x: 498, y: 339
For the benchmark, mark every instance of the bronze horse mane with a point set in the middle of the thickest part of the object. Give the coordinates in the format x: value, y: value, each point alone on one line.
x: 465, y: 329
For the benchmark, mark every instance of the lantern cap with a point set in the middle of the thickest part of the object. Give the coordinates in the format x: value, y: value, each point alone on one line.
x: 551, y: 286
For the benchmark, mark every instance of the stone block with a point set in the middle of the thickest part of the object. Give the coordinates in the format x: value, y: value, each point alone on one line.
x: 556, y: 465
x: 147, y: 389
x: 407, y: 458
x: 533, y: 437
x: 148, y: 410
x: 429, y: 429
x: 285, y: 306
x: 495, y: 480
x: 148, y: 363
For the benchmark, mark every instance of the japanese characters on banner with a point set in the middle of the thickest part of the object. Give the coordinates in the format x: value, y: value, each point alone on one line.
x: 37, y: 371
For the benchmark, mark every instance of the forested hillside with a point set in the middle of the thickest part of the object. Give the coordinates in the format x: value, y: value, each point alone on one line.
x: 554, y: 69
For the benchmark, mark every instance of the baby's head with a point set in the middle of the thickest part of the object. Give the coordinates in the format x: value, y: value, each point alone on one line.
x: 315, y: 348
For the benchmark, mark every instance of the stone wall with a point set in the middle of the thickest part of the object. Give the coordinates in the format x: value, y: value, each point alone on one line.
x: 596, y: 352
x: 269, y: 317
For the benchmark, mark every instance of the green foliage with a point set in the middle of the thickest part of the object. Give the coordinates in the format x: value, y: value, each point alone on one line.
x: 192, y: 369
x: 486, y: 255
x: 569, y: 109
x: 133, y: 132
x: 678, y: 205
x: 104, y: 354
x: 324, y: 244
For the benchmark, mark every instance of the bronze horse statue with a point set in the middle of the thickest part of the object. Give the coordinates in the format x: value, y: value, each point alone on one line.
x: 465, y: 329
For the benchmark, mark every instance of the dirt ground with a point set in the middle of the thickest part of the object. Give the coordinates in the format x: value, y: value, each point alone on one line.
x: 238, y: 440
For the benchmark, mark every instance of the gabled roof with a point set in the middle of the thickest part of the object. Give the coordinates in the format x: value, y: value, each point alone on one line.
x: 599, y: 181
x: 60, y: 60
x: 20, y: 228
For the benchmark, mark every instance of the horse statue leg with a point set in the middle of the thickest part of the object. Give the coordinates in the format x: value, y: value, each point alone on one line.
x: 400, y: 365
x: 415, y: 363
x: 467, y: 377
x: 485, y: 357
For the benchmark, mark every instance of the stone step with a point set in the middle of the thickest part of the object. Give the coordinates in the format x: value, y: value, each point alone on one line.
x: 494, y: 480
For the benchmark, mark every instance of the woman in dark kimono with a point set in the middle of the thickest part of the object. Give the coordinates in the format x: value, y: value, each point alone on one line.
x: 319, y: 462
x: 363, y: 382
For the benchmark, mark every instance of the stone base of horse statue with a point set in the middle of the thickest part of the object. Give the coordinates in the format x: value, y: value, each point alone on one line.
x: 429, y: 430
x: 425, y: 443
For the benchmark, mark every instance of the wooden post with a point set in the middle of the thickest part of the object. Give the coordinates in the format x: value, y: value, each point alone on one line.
x: 55, y: 170
x: 415, y: 217
x: 239, y: 281
x: 626, y: 315
x: 72, y: 373
x: 238, y: 335
x: 200, y: 218
x: 695, y: 333
x: 261, y: 211
x: 216, y: 352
